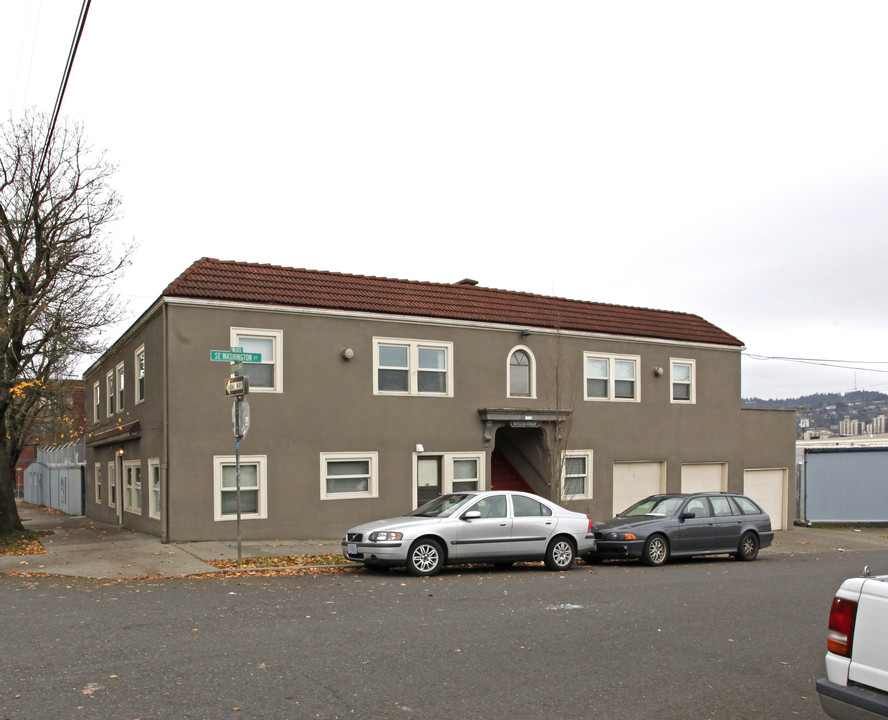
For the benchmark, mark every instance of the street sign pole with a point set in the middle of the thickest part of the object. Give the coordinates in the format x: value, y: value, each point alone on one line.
x: 238, y: 410
x: 238, y: 386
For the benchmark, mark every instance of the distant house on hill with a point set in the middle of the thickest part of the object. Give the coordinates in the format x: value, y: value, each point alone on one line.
x: 372, y: 395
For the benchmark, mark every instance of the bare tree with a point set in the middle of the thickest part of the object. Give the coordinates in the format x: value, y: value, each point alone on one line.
x: 57, y: 268
x: 563, y: 395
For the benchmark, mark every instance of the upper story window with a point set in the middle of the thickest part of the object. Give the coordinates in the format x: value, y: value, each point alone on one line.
x: 412, y: 367
x: 120, y: 383
x: 522, y: 373
x: 611, y: 377
x: 109, y: 393
x: 267, y: 374
x: 97, y: 401
x: 684, y: 387
x: 140, y: 374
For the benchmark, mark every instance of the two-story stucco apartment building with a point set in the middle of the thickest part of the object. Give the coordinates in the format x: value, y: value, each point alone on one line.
x: 374, y: 394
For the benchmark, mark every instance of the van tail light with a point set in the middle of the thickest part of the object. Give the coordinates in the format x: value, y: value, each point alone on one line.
x: 842, y: 616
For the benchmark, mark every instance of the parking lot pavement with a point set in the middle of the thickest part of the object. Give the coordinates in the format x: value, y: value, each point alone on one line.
x: 80, y: 547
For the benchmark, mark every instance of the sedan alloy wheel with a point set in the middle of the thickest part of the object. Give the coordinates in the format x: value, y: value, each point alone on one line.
x: 425, y: 558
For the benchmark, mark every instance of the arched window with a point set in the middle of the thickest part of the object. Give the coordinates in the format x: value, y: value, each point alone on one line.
x: 521, y: 373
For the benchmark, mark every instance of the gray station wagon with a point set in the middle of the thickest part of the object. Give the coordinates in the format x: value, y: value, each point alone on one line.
x: 676, y: 525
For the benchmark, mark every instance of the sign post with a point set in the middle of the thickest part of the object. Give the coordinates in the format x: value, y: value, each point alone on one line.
x: 237, y: 386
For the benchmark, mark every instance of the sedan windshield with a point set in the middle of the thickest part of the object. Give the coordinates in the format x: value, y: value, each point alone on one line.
x: 658, y: 506
x: 441, y: 506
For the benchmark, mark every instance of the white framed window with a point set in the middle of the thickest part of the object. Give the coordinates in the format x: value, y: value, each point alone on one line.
x: 683, y: 377
x: 576, y: 475
x: 349, y: 475
x: 112, y: 484
x: 97, y: 401
x: 412, y: 367
x: 139, y: 384
x: 611, y: 377
x: 109, y: 393
x: 463, y: 472
x: 253, y: 482
x: 521, y: 373
x: 97, y: 471
x: 132, y: 486
x: 154, y: 488
x: 266, y: 376
x: 120, y: 383
x: 441, y: 473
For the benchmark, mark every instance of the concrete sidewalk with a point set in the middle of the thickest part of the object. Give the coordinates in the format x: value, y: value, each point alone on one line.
x: 80, y: 547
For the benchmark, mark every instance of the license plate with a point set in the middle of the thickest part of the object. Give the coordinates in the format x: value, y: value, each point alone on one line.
x: 352, y: 549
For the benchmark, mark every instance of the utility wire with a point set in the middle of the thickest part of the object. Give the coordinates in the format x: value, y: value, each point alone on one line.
x: 69, y: 64
x: 839, y: 364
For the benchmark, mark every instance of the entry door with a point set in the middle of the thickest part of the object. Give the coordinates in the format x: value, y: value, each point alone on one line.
x: 428, y: 479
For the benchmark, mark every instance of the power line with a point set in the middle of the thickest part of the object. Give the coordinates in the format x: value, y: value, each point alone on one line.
x: 69, y: 64
x: 838, y: 364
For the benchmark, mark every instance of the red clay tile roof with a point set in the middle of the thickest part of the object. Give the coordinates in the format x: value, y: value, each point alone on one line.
x: 210, y: 279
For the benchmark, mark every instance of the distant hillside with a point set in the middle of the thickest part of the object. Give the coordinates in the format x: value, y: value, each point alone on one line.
x: 824, y: 411
x: 817, y: 400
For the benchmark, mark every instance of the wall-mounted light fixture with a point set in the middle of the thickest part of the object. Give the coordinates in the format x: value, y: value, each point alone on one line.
x: 525, y: 333
x: 419, y: 447
x: 658, y: 371
x: 348, y: 354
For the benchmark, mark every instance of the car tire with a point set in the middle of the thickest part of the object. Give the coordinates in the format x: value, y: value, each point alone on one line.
x: 426, y: 558
x: 656, y: 551
x: 748, y: 549
x: 560, y: 554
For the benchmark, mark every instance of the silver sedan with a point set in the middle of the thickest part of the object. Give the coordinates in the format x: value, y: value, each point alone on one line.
x: 499, y: 527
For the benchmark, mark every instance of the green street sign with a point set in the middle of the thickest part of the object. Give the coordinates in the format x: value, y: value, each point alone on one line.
x: 231, y: 356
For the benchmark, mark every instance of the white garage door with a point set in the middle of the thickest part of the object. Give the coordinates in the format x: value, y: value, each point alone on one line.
x: 704, y: 477
x: 768, y: 489
x: 634, y: 481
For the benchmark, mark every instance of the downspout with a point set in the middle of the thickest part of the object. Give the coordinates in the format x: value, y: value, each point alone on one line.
x: 165, y: 460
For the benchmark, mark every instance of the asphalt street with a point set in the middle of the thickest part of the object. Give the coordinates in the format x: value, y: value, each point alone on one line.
x: 705, y: 638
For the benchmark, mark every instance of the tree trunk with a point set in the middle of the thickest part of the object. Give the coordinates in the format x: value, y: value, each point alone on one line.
x: 9, y: 517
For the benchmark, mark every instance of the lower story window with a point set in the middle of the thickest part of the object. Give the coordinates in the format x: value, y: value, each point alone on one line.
x: 132, y: 487
x: 577, y: 475
x: 112, y: 484
x: 154, y: 488
x: 98, y: 472
x: 349, y: 475
x: 253, y: 492
x: 439, y: 474
x: 466, y: 474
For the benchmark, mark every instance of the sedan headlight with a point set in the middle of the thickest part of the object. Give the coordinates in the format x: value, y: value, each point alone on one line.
x: 621, y: 536
x: 385, y: 536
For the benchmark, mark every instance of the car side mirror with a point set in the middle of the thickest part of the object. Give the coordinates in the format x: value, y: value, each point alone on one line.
x: 471, y: 515
x: 687, y: 515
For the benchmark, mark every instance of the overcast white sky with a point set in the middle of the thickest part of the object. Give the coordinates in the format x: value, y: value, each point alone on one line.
x: 724, y: 159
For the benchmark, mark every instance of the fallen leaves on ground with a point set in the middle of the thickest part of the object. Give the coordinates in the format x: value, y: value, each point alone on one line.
x: 267, y: 562
x: 23, y: 542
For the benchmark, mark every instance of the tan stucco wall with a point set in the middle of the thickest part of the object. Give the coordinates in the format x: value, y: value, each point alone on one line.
x: 327, y: 405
